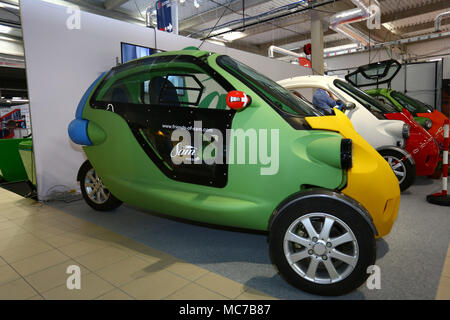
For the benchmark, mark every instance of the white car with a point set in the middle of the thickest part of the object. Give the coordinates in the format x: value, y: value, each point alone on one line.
x: 388, y: 137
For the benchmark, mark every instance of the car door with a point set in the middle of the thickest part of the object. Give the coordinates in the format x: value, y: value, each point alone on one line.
x: 170, y: 103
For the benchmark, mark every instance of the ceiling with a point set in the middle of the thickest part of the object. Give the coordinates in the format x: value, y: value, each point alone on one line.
x: 285, y: 23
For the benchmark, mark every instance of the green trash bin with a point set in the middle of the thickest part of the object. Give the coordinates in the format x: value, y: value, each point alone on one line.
x: 27, y: 155
x: 11, y: 166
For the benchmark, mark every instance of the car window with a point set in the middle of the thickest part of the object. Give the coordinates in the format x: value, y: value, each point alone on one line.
x: 172, y: 83
x: 377, y: 108
x: 269, y: 90
x: 412, y: 105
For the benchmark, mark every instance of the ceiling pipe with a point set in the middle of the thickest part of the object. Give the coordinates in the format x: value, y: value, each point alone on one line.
x: 340, y: 22
x: 438, y: 20
x: 286, y: 52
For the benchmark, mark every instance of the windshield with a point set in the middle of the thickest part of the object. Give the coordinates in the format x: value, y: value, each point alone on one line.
x: 269, y: 90
x: 373, y: 105
x: 412, y: 105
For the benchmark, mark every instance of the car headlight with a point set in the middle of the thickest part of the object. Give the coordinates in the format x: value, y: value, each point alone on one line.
x: 406, y: 131
x: 428, y: 124
x: 346, y: 154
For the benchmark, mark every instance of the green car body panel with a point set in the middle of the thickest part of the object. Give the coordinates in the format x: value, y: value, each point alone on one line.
x: 249, y: 198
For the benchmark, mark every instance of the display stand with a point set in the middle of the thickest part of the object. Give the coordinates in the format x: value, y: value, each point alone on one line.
x: 443, y: 198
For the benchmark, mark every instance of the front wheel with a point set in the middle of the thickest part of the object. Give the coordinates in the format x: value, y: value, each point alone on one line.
x: 404, y: 170
x: 322, y: 246
x: 96, y: 195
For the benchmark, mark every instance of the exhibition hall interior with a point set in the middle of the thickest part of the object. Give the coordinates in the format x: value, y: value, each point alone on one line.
x: 262, y: 150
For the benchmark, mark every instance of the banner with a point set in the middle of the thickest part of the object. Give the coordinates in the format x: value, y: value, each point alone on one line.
x: 167, y: 16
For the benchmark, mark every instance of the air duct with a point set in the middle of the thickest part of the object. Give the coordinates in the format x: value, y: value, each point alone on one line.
x: 438, y: 20
x: 286, y: 52
x: 340, y: 22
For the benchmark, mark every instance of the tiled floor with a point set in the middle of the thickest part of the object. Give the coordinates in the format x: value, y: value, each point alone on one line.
x: 38, y: 243
x: 444, y: 285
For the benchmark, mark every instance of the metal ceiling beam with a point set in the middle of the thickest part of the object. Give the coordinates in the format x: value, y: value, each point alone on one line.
x: 419, y: 27
x: 441, y: 5
x: 114, y: 4
x: 214, y: 14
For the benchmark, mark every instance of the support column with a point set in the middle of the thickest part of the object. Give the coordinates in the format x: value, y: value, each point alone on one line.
x: 317, y: 43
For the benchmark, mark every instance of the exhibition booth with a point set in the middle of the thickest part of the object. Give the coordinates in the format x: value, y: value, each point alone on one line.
x: 173, y: 150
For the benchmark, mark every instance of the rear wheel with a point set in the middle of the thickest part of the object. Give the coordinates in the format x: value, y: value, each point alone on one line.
x: 322, y: 246
x: 96, y: 195
x: 403, y: 169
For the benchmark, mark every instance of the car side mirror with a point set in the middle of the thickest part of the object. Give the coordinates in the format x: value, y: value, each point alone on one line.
x: 238, y: 100
x: 348, y: 106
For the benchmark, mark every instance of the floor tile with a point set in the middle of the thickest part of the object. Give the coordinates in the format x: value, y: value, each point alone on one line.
x: 7, y: 224
x: 157, y: 285
x: 446, y: 268
x: 64, y: 239
x: 21, y: 252
x: 127, y: 270
x: 443, y: 292
x: 11, y: 232
x: 186, y: 270
x: 115, y: 294
x: 251, y: 294
x: 39, y: 262
x: 54, y: 276
x: 194, y: 291
x: 92, y: 286
x: 16, y: 290
x: 224, y: 286
x: 80, y: 248
x: 7, y: 274
x: 102, y: 257
x: 18, y: 240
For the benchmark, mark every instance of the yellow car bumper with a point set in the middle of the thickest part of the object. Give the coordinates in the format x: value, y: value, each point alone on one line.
x: 371, y: 180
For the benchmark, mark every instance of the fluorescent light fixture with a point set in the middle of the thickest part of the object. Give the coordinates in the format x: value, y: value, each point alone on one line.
x: 228, y: 36
x: 9, y: 6
x: 182, y: 1
x: 5, y: 29
x: 340, y: 48
x: 196, y: 4
x: 435, y: 60
x: 216, y: 42
x: 231, y: 36
x: 389, y: 26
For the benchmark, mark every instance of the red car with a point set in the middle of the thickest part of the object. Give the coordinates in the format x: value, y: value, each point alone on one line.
x: 421, y: 144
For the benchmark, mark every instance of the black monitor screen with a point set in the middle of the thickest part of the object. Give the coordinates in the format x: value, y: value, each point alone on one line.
x: 131, y: 52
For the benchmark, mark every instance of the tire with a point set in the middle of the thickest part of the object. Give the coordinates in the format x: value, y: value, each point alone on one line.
x: 349, y: 275
x: 103, y: 200
x: 393, y: 157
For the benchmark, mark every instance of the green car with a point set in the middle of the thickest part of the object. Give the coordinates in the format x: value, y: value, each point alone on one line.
x: 203, y: 137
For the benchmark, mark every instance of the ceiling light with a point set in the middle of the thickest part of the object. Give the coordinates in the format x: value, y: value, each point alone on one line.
x: 216, y: 42
x: 182, y: 1
x: 389, y: 26
x: 196, y: 4
x: 5, y: 29
x: 343, y: 47
x: 9, y: 6
x: 231, y: 36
